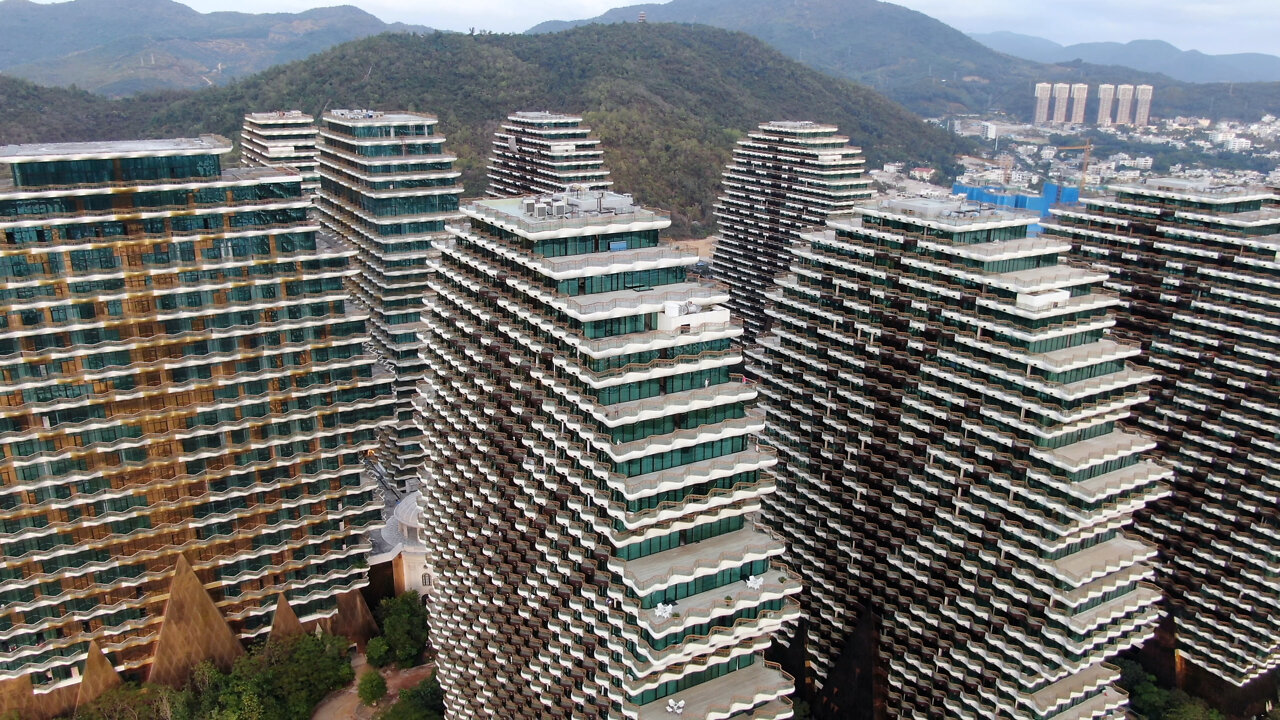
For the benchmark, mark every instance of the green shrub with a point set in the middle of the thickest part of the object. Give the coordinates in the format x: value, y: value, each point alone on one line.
x: 404, y: 627
x: 378, y: 652
x: 425, y: 701
x: 372, y: 687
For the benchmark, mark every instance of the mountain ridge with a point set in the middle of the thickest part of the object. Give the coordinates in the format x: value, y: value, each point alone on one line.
x: 162, y: 44
x: 925, y: 64
x: 1148, y: 55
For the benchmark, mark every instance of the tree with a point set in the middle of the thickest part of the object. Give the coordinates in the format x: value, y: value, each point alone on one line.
x: 378, y: 652
x: 133, y: 702
x: 425, y: 701
x: 404, y: 626
x: 372, y: 687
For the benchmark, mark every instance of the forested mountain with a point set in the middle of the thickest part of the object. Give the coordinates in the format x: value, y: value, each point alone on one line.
x: 1154, y: 56
x: 923, y: 63
x: 118, y: 47
x: 667, y: 101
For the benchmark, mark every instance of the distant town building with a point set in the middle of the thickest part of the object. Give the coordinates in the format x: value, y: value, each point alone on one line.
x: 1142, y: 114
x: 1061, y: 95
x: 387, y: 187
x: 543, y: 152
x: 1079, y: 97
x: 1200, y: 290
x: 944, y: 399
x: 282, y: 139
x: 186, y: 408
x: 1044, y: 92
x: 592, y: 475
x: 1124, y: 105
x: 1106, y: 101
x: 784, y: 177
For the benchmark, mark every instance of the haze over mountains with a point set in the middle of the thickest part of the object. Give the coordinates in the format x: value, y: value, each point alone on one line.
x: 1149, y: 55
x: 119, y: 47
x: 923, y: 63
x: 926, y: 65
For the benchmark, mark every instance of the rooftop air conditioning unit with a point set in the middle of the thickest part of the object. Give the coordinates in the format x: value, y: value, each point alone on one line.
x: 540, y: 210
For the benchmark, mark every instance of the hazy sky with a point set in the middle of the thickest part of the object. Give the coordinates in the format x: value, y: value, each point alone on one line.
x: 1213, y: 26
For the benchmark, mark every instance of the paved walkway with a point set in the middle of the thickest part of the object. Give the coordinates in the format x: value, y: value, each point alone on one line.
x: 344, y: 705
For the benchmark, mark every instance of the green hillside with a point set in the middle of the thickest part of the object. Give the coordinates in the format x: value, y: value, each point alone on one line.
x: 927, y: 65
x: 119, y: 47
x: 667, y: 101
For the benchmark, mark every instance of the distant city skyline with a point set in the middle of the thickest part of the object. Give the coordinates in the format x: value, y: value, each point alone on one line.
x: 1209, y: 26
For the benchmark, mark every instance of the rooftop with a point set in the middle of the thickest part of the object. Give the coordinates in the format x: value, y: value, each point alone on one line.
x: 581, y: 208
x: 956, y: 213
x: 544, y: 116
x: 107, y: 149
x: 798, y: 126
x: 1202, y: 189
x: 377, y: 117
x: 286, y: 116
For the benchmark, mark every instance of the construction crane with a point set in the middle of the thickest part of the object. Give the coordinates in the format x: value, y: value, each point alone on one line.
x: 1087, y: 147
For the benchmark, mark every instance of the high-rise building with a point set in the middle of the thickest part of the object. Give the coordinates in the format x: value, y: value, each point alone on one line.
x: 1061, y: 95
x: 784, y: 177
x: 952, y: 481
x: 388, y: 187
x: 1044, y: 91
x: 1079, y: 97
x: 1106, y: 100
x: 1124, y: 105
x: 282, y: 139
x: 542, y: 152
x: 1197, y: 264
x: 184, y: 387
x: 1142, y: 115
x: 593, y: 475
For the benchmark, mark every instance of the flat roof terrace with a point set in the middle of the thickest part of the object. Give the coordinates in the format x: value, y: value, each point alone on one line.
x: 567, y: 211
x: 1205, y: 191
x: 377, y: 117
x: 110, y: 149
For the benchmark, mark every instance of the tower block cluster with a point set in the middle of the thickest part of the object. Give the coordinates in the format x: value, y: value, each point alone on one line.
x: 933, y: 464
x: 592, y: 474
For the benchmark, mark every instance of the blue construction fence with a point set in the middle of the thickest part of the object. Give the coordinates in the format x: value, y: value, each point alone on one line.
x: 1052, y: 194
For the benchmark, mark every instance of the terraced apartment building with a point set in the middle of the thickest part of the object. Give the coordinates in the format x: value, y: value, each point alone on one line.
x: 544, y: 152
x: 592, y: 475
x: 184, y: 386
x: 282, y: 138
x: 387, y: 187
x: 955, y: 479
x: 1197, y: 265
x: 784, y: 177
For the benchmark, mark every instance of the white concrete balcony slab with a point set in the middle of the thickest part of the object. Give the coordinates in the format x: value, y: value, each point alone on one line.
x: 759, y: 684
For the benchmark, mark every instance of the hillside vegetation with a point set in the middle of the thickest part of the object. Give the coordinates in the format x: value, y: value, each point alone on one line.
x: 667, y: 101
x: 119, y: 47
x: 925, y: 64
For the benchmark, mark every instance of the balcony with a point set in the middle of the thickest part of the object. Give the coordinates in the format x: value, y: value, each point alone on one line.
x: 687, y: 562
x: 759, y: 684
x: 602, y: 306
